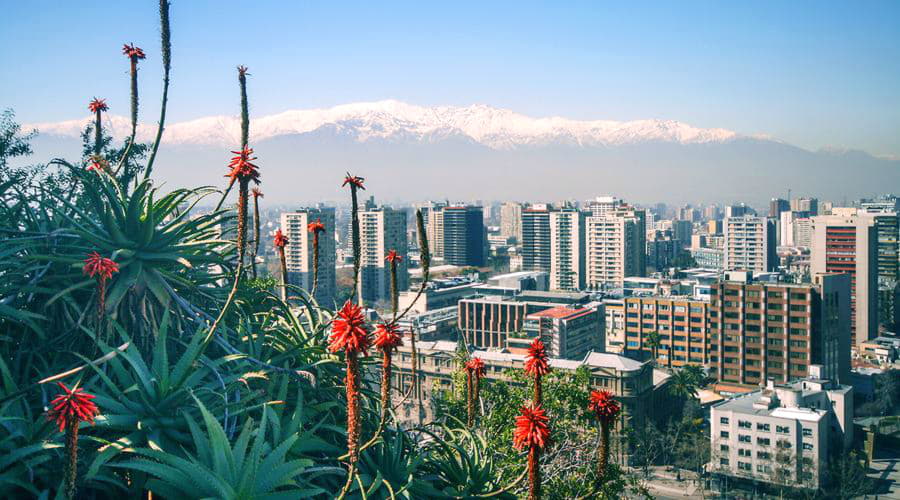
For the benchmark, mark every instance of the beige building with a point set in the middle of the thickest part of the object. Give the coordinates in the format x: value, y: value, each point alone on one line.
x: 848, y: 244
x: 681, y: 323
x: 616, y: 247
x: 749, y: 244
x: 381, y: 230
x: 511, y: 221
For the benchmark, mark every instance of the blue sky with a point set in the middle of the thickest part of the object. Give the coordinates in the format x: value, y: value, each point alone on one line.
x: 815, y: 74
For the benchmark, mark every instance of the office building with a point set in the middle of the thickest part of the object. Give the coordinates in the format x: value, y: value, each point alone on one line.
x: 603, y: 205
x: 759, y: 331
x: 568, y: 332
x: 782, y: 434
x: 848, y: 244
x: 567, y: 249
x: 777, y: 206
x: 536, y: 238
x: 299, y: 251
x: 810, y: 205
x: 749, y: 244
x: 381, y: 230
x: 464, y: 236
x: 433, y: 217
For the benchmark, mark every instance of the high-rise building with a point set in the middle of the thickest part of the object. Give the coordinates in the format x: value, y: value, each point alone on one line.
x: 682, y: 230
x: 777, y: 206
x: 762, y: 330
x: 602, y: 205
x: 810, y: 205
x: 681, y: 324
x: 567, y: 249
x: 749, y: 244
x: 299, y: 251
x: 511, y: 221
x: 885, y: 212
x: 793, y: 229
x: 536, y: 238
x: 848, y: 244
x: 616, y: 247
x: 739, y: 211
x: 382, y: 229
x: 464, y: 236
x: 433, y: 216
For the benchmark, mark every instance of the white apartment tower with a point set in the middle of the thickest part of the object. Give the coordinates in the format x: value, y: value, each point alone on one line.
x: 381, y: 230
x: 616, y: 247
x: 299, y: 251
x: 567, y: 249
x: 749, y: 244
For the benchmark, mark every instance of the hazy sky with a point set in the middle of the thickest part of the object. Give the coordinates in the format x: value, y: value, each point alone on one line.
x: 815, y: 74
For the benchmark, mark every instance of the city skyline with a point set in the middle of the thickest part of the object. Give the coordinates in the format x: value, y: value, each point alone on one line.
x: 822, y: 80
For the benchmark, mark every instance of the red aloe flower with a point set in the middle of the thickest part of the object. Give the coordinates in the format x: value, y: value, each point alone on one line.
x: 536, y: 361
x: 348, y: 332
x: 133, y: 52
x: 100, y: 267
x: 387, y: 336
x: 243, y: 70
x: 532, y: 428
x: 316, y: 226
x: 68, y: 410
x: 98, y: 164
x: 354, y: 181
x: 605, y: 408
x: 476, y: 367
x: 603, y: 404
x: 242, y: 167
x: 98, y: 105
x: 72, y: 405
x: 257, y: 193
x: 393, y: 257
x: 281, y: 240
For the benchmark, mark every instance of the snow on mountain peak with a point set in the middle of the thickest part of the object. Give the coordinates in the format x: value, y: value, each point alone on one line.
x: 395, y: 120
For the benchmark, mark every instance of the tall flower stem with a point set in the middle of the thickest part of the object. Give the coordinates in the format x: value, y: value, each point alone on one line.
x: 385, y: 385
x: 71, y: 470
x: 243, y: 193
x: 98, y: 131
x: 352, y: 407
x: 605, y: 408
x: 532, y: 432
x: 280, y: 242
x: 603, y: 459
x: 255, y: 250
x: 357, y: 252
x: 470, y: 400
x: 245, y: 124
x: 165, y: 37
x: 394, y: 292
x: 315, y: 285
x: 534, y: 473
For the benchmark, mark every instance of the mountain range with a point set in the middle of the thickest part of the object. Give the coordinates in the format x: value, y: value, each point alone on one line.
x: 411, y: 152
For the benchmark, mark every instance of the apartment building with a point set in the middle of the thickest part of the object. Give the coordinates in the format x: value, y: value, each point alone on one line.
x: 847, y: 243
x: 536, y: 238
x: 381, y: 230
x: 680, y: 324
x: 464, y: 236
x: 299, y: 251
x: 760, y: 331
x: 567, y: 249
x: 614, y: 325
x: 616, y: 247
x: 749, y: 244
x: 433, y: 217
x: 782, y: 434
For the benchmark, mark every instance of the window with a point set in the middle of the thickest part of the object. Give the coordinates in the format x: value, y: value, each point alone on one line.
x: 807, y: 446
x: 762, y: 427
x: 744, y: 466
x: 782, y: 429
x: 744, y: 453
x: 724, y: 434
x: 724, y: 448
x: 743, y: 424
x: 784, y: 444
x: 763, y: 441
x: 763, y: 455
x: 807, y: 432
x: 765, y: 469
x: 799, y: 296
x: 776, y: 295
x: 744, y: 439
x: 723, y: 461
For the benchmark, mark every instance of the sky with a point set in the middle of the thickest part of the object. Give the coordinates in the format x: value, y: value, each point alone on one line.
x: 817, y: 74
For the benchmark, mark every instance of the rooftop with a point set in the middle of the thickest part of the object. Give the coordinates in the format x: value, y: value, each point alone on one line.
x: 560, y: 312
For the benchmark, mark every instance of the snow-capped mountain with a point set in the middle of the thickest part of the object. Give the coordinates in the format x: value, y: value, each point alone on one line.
x: 392, y: 120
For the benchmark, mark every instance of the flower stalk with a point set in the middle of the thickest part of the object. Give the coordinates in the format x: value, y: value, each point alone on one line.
x: 605, y: 408
x: 355, y: 183
x: 100, y: 268
x: 474, y: 371
x: 387, y: 338
x: 280, y: 242
x: 68, y: 410
x: 257, y: 194
x: 315, y: 228
x: 537, y: 365
x: 349, y: 333
x: 532, y: 432
x: 393, y: 258
x: 244, y: 171
x: 98, y: 106
x: 166, y: 49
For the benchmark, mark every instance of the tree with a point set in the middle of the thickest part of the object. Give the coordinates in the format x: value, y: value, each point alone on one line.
x: 12, y: 143
x: 886, y: 392
x: 849, y: 479
x: 653, y: 342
